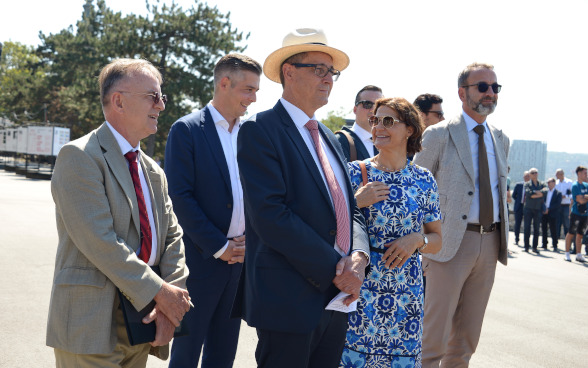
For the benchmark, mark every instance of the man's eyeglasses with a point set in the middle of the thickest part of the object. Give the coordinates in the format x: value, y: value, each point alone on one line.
x: 533, y: 172
x: 320, y: 70
x: 387, y: 121
x: 439, y: 113
x: 155, y: 96
x: 483, y: 86
x: 366, y: 104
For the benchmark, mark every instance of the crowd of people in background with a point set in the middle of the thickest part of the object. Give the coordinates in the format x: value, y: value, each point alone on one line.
x: 558, y: 203
x: 318, y: 239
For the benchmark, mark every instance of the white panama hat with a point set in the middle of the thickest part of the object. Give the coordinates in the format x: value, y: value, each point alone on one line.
x: 298, y: 41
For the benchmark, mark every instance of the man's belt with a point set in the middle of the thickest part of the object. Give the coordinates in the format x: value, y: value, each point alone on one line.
x: 483, y: 230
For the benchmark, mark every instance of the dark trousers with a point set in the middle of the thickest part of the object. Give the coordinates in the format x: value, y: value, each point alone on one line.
x: 321, y: 348
x: 563, y: 219
x: 531, y: 215
x: 209, y: 323
x: 550, y: 221
x: 517, y: 225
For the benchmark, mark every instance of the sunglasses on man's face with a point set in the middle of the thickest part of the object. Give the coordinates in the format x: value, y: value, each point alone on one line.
x: 439, y: 113
x: 366, y: 104
x: 154, y: 95
x: 387, y: 121
x: 483, y: 86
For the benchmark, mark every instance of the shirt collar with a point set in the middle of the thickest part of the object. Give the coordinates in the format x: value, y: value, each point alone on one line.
x: 363, y: 134
x: 298, y: 116
x: 471, y: 123
x: 219, y: 119
x: 124, y: 145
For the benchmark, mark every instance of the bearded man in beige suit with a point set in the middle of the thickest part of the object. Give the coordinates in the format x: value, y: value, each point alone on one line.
x: 111, y: 230
x: 468, y: 157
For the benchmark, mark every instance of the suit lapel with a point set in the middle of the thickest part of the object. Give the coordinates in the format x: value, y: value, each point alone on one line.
x: 120, y: 169
x: 498, y: 150
x: 300, y: 145
x: 459, y: 134
x: 211, y: 136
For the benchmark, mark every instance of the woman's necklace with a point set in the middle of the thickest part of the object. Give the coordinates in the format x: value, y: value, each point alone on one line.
x: 377, y: 162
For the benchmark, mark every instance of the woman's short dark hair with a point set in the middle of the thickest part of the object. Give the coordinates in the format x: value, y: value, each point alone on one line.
x: 408, y: 115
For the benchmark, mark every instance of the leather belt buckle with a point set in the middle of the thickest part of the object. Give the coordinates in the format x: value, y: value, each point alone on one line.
x: 491, y: 229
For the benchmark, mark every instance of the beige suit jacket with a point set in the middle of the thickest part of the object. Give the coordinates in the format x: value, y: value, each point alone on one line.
x: 98, y: 227
x: 446, y: 153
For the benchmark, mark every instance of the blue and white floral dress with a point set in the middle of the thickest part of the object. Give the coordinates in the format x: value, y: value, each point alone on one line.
x: 387, y: 329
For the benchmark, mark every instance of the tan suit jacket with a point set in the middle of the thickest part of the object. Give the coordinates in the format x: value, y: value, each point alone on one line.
x: 446, y: 153
x: 98, y: 227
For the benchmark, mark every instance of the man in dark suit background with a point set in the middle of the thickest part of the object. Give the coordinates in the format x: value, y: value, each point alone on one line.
x: 204, y: 184
x: 518, y: 196
x: 357, y: 142
x: 306, y: 238
x: 551, y: 213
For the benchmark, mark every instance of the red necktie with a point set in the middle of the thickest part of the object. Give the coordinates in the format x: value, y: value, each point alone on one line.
x: 336, y: 193
x: 145, y: 251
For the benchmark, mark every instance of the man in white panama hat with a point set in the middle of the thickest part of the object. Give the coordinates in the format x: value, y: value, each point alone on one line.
x: 306, y: 239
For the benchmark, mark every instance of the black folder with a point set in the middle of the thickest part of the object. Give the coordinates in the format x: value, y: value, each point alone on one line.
x: 139, y: 332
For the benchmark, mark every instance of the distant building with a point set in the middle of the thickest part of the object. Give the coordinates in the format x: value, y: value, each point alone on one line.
x: 524, y: 155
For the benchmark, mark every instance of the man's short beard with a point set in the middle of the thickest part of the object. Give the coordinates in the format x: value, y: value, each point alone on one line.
x: 479, y: 107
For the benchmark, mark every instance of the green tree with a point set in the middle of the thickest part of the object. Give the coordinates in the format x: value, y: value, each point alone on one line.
x: 183, y: 43
x: 22, y: 82
x: 334, y: 120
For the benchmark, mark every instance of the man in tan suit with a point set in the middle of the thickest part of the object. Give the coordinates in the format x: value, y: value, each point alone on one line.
x: 472, y: 194
x: 114, y: 221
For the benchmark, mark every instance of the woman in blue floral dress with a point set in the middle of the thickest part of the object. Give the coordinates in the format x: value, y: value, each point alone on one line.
x: 403, y: 219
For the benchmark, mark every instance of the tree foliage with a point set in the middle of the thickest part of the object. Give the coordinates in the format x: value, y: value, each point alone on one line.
x: 334, y: 120
x: 183, y: 43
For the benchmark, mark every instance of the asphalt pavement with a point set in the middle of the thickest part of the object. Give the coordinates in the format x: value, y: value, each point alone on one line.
x: 535, y: 317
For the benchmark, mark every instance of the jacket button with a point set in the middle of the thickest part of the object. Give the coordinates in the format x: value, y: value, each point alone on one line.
x: 333, y: 232
x: 229, y: 205
x: 464, y: 217
x: 471, y: 193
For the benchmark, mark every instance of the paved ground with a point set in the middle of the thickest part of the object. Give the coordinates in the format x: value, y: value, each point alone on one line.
x: 536, y: 316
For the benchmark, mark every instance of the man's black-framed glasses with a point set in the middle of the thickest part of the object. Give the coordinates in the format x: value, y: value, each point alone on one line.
x: 387, y: 121
x: 320, y: 70
x: 439, y: 113
x: 366, y: 104
x: 154, y: 95
x: 483, y: 86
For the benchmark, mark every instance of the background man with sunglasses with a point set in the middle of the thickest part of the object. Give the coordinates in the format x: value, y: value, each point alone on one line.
x: 357, y: 142
x: 114, y: 220
x: 430, y: 109
x: 306, y: 238
x: 468, y: 158
x: 204, y: 184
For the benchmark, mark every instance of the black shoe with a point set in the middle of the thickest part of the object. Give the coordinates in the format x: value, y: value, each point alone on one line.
x: 527, y: 249
x: 544, y: 247
x: 555, y: 249
x: 535, y: 250
x: 516, y: 242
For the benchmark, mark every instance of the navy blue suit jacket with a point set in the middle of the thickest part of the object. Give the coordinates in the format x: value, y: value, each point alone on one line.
x: 200, y: 189
x: 290, y: 261
x: 362, y: 152
x: 517, y: 195
x: 555, y: 203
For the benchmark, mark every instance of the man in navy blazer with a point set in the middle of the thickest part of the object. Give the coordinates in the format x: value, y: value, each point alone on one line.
x: 204, y: 185
x: 518, y: 196
x: 550, y: 214
x: 296, y: 259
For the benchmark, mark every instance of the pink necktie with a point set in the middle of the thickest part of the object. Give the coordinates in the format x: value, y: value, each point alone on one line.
x: 145, y: 251
x: 336, y: 192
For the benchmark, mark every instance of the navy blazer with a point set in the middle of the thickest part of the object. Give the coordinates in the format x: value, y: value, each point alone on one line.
x: 362, y: 152
x: 555, y: 203
x: 290, y: 261
x: 517, y: 196
x: 200, y: 189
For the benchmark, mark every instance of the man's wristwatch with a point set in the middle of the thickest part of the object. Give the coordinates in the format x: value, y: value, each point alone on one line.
x: 426, y: 243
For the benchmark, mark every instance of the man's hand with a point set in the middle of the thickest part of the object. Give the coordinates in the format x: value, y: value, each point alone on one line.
x: 235, y: 252
x: 372, y: 192
x: 350, y: 273
x: 173, y: 302
x: 164, y: 329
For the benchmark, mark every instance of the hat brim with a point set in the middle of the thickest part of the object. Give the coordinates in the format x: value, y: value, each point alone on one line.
x: 272, y: 64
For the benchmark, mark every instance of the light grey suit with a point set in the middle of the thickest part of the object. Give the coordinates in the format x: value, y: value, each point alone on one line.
x: 461, y: 275
x: 98, y: 227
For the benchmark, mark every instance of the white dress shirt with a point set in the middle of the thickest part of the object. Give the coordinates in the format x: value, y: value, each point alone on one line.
x: 300, y: 119
x: 474, y: 215
x: 366, y: 138
x: 229, y: 143
x: 563, y: 187
x: 126, y: 147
